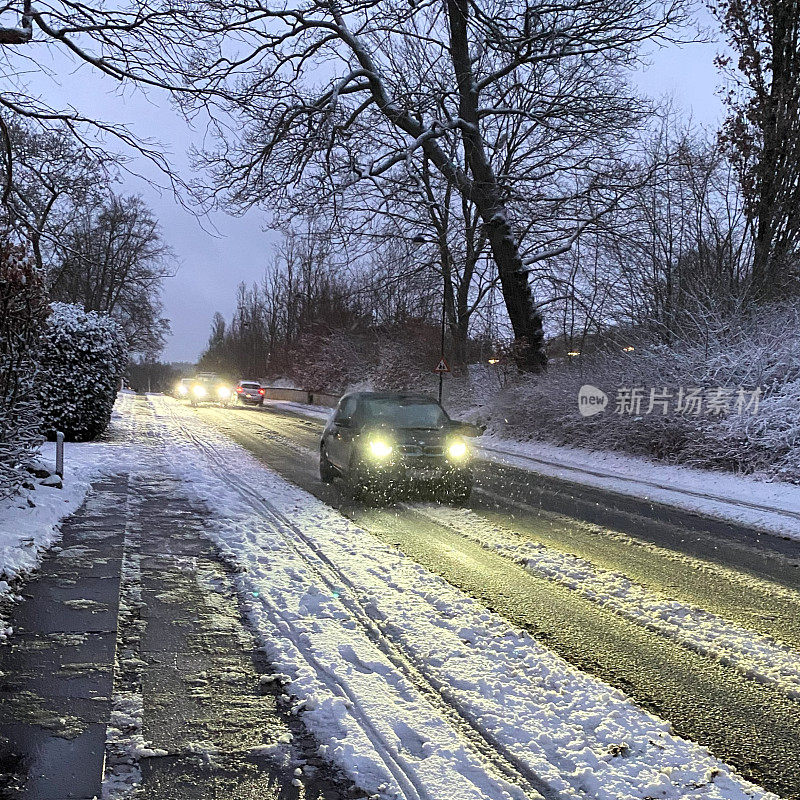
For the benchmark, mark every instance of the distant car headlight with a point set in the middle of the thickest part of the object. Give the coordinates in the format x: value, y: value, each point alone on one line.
x: 182, y: 389
x: 223, y: 392
x: 457, y: 451
x: 380, y: 449
x: 199, y: 391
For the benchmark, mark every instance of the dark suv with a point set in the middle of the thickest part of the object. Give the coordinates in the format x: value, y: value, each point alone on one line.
x: 378, y: 442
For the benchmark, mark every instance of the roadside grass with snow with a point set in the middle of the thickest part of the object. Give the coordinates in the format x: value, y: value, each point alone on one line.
x: 369, y: 643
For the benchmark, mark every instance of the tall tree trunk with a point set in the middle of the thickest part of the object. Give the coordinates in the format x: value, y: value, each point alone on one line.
x: 487, y: 194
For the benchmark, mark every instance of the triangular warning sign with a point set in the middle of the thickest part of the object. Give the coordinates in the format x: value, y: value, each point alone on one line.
x: 442, y: 366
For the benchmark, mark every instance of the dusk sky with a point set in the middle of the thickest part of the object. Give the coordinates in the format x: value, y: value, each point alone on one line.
x: 210, y: 267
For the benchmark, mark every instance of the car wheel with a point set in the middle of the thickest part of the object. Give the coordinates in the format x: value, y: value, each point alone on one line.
x: 327, y: 472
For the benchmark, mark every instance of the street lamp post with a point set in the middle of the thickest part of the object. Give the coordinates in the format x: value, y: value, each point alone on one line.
x: 422, y: 239
x: 441, y: 344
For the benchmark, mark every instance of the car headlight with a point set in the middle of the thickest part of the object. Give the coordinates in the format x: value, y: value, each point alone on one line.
x: 380, y: 449
x: 199, y: 391
x: 457, y: 450
x: 223, y: 392
x: 182, y: 389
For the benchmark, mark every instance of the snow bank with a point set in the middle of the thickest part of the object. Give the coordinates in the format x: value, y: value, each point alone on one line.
x: 770, y: 506
x: 315, y: 412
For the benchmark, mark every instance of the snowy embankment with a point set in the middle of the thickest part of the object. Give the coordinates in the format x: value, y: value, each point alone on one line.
x: 315, y: 412
x: 403, y: 678
x: 30, y: 521
x: 773, y: 507
x: 770, y: 506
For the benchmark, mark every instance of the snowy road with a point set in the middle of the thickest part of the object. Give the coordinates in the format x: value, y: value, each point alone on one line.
x: 505, y: 681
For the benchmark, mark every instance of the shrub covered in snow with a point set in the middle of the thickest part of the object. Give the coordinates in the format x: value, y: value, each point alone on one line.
x: 752, y: 350
x: 23, y: 309
x: 82, y: 359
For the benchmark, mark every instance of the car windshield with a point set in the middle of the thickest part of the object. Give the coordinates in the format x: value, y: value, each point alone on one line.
x: 404, y: 413
x: 247, y: 385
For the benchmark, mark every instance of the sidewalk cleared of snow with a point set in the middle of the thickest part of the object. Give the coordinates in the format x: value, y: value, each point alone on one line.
x: 375, y: 649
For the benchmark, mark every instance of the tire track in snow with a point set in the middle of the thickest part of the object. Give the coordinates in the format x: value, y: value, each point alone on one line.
x: 757, y: 656
x: 478, y: 738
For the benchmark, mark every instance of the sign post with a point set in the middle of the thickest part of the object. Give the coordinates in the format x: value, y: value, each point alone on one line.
x: 60, y: 454
x: 441, y: 368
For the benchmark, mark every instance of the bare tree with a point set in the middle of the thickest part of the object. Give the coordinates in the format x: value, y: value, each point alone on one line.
x: 51, y: 178
x: 676, y: 249
x: 763, y: 130
x: 423, y: 78
x: 114, y: 260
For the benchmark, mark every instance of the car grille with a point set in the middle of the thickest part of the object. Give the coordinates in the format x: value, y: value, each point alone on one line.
x: 418, y: 450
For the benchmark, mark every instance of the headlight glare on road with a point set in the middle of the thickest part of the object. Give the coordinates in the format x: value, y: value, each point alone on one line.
x: 380, y: 449
x: 457, y: 450
x: 199, y: 391
x: 223, y: 392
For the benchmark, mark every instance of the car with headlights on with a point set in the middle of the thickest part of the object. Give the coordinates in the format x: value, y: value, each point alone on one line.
x: 183, y: 387
x: 206, y: 387
x: 379, y: 442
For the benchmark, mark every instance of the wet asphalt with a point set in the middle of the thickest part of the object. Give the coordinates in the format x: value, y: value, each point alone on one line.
x: 744, y: 575
x: 132, y: 627
x: 57, y: 669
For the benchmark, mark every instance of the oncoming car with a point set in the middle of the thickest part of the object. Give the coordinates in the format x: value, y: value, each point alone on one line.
x: 205, y: 387
x: 183, y: 388
x: 378, y: 442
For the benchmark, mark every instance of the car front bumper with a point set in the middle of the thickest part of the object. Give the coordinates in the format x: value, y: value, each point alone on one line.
x: 415, y: 470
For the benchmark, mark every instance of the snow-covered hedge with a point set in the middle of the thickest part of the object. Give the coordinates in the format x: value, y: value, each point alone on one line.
x: 82, y: 359
x: 23, y: 308
x: 760, y: 349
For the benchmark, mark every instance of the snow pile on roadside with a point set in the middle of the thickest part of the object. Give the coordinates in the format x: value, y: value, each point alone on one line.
x: 402, y: 675
x: 315, y: 412
x: 770, y: 506
x: 30, y: 521
x: 752, y: 654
